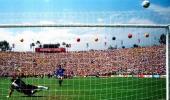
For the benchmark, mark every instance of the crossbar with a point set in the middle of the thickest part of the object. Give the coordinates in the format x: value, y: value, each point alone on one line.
x: 85, y: 25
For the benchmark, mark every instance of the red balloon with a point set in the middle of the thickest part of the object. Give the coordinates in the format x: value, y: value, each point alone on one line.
x: 78, y: 39
x: 129, y: 35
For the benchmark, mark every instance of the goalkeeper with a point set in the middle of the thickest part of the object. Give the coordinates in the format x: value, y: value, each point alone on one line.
x: 20, y: 86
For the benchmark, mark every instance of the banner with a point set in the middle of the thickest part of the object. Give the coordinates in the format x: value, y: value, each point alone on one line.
x: 156, y: 76
x: 129, y: 75
x: 162, y: 76
x: 50, y: 50
x: 141, y: 75
x: 148, y: 76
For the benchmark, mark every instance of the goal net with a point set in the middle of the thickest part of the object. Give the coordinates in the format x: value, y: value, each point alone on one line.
x: 100, y: 61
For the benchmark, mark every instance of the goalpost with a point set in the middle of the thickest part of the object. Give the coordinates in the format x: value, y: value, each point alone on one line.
x: 89, y: 48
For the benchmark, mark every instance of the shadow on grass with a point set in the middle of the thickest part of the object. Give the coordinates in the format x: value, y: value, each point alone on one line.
x: 33, y: 96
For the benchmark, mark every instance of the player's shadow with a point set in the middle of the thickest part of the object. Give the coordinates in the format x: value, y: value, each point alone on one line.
x: 34, y: 96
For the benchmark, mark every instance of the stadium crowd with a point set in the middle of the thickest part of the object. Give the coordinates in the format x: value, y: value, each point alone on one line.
x: 129, y: 61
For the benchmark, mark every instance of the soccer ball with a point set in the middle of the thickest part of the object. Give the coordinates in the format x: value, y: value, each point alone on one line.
x: 146, y: 3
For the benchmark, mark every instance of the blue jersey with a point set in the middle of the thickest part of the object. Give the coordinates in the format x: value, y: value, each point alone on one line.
x: 60, y: 72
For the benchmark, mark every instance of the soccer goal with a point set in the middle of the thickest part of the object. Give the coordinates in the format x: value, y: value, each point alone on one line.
x: 86, y: 61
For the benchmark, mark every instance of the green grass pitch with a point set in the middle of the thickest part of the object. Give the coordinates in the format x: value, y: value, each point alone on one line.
x: 92, y: 88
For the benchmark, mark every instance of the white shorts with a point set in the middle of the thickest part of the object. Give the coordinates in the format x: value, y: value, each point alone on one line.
x: 60, y: 77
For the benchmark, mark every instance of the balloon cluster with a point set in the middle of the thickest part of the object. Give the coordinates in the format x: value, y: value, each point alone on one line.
x: 114, y: 38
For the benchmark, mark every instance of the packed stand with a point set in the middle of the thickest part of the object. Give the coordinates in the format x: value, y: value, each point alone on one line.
x: 129, y: 61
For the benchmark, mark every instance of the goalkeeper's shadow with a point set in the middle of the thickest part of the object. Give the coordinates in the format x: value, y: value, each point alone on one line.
x: 34, y: 96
